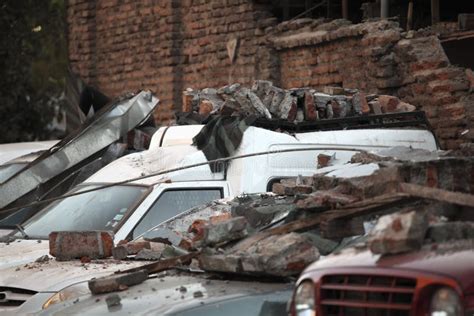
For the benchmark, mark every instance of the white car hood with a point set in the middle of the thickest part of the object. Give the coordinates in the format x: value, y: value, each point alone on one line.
x: 22, y: 251
x: 18, y: 268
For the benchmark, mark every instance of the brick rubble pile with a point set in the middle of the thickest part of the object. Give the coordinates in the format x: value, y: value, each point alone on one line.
x: 264, y: 99
x: 419, y: 198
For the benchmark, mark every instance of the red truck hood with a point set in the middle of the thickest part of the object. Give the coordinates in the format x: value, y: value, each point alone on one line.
x: 454, y: 260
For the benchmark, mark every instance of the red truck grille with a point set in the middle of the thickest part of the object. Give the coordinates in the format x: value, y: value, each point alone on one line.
x: 366, y: 295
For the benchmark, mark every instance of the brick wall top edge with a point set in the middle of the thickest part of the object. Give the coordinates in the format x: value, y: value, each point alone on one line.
x: 316, y: 32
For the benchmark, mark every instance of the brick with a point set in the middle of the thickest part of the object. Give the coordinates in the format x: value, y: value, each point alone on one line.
x: 359, y: 103
x: 291, y: 189
x: 405, y: 107
x: 67, y: 245
x: 324, y: 160
x: 187, y: 101
x: 398, y: 233
x: 310, y: 113
x: 388, y: 103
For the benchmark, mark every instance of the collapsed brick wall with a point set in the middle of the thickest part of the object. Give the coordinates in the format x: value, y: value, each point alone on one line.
x: 378, y: 58
x: 168, y: 45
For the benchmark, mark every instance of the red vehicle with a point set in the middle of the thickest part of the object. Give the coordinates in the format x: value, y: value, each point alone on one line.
x: 438, y: 280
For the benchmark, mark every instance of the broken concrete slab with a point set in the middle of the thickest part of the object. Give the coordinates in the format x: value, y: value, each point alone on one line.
x: 117, y: 282
x: 399, y: 232
x: 148, y: 254
x: 261, y: 210
x: 279, y: 255
x: 222, y: 232
x: 67, y: 245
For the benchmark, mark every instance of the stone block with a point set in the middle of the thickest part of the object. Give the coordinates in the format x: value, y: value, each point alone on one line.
x: 222, y: 232
x: 398, y: 233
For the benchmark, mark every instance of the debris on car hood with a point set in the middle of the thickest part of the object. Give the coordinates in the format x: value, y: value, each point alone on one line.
x: 182, y: 293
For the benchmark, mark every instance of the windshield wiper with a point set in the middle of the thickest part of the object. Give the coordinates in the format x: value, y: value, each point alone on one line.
x: 22, y: 231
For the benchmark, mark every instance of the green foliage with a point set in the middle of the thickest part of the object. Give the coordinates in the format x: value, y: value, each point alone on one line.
x: 33, y: 65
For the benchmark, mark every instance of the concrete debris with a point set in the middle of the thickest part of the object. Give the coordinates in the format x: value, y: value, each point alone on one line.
x: 117, y: 282
x: 113, y: 300
x: 129, y: 248
x: 42, y: 259
x: 280, y: 255
x: 442, y: 232
x: 67, y: 245
x: 148, y: 254
x: 221, y: 232
x: 261, y: 210
x: 411, y: 198
x: 323, y: 198
x: 293, y: 105
x: 169, y: 237
x: 400, y: 232
x: 325, y: 246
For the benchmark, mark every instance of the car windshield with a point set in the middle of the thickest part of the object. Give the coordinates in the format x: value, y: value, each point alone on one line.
x: 7, y: 171
x: 97, y: 210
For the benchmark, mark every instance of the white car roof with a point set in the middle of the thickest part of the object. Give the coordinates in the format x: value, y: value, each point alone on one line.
x: 176, y: 152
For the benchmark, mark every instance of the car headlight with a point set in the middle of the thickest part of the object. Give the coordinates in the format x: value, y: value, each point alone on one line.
x: 304, y: 299
x: 67, y: 293
x: 445, y: 302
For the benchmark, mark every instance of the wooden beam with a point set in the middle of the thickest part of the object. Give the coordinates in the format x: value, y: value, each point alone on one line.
x: 163, y: 265
x: 456, y: 198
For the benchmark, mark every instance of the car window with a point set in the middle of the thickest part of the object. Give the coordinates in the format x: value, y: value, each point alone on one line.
x: 171, y: 203
x: 97, y: 210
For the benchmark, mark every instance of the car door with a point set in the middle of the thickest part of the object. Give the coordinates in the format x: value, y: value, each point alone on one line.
x: 169, y: 200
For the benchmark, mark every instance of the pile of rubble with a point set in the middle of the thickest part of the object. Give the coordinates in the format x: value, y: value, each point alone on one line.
x: 264, y: 99
x: 390, y: 205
